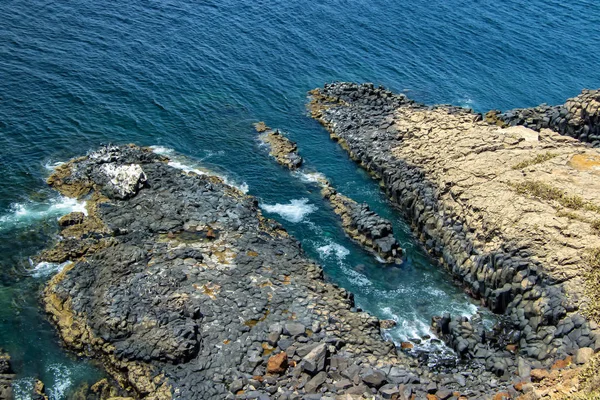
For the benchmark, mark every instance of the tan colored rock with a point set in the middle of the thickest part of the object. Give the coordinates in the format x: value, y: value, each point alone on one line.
x: 538, y: 374
x: 583, y: 355
x: 277, y: 364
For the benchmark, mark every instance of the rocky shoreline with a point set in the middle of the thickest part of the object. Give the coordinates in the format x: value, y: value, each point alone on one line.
x: 181, y: 289
x: 470, y: 190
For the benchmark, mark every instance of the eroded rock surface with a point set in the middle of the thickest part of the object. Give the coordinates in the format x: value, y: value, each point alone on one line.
x: 280, y: 147
x: 513, y: 213
x: 578, y: 117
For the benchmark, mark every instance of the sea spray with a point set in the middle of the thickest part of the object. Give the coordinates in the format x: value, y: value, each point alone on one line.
x: 25, y: 214
x: 295, y: 211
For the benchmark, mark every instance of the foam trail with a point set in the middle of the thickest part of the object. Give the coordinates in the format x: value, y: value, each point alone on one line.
x: 28, y: 213
x: 293, y: 212
x: 62, y: 381
x: 44, y: 269
x: 333, y: 249
x: 189, y: 166
x: 52, y: 166
x: 310, y: 177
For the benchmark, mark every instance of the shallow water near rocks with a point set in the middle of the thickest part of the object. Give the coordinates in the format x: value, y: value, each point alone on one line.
x: 193, y: 77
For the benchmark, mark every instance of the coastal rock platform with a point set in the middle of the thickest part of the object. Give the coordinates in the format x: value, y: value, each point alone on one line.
x: 513, y: 213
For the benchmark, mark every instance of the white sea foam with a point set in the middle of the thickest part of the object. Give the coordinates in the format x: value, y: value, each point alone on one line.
x: 186, y: 168
x: 62, y: 381
x: 189, y: 166
x: 44, y: 269
x: 24, y: 214
x: 310, y: 177
x: 333, y: 249
x: 52, y: 166
x: 293, y: 212
x: 162, y: 150
x: 22, y: 388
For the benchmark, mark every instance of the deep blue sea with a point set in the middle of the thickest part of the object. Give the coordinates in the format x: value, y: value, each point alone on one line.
x: 190, y: 77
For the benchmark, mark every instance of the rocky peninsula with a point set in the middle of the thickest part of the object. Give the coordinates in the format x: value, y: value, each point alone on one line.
x: 513, y: 213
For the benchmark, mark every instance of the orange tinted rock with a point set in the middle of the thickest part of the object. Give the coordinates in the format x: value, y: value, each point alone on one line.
x: 511, y: 347
x: 406, y: 345
x: 502, y: 396
x: 277, y: 364
x: 538, y: 374
x: 562, y: 364
x: 432, y: 397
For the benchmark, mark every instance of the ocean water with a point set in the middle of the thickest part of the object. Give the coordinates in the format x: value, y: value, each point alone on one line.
x: 190, y: 77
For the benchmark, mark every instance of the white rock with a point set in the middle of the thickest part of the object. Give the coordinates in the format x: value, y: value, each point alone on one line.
x: 125, y: 180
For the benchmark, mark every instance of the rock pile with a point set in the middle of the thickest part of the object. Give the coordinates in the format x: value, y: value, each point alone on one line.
x: 579, y: 117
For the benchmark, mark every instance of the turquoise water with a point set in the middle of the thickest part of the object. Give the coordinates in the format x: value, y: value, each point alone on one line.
x: 194, y: 76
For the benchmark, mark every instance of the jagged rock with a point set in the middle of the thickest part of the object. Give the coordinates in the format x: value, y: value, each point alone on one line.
x: 315, y: 382
x: 277, y: 364
x: 73, y: 218
x: 373, y: 377
x: 182, y: 288
x: 314, y: 361
x: 488, y: 202
x: 281, y: 148
x: 294, y: 329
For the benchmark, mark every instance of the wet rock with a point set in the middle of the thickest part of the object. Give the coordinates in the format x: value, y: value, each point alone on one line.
x: 281, y: 148
x: 73, y: 218
x: 6, y: 376
x: 387, y: 323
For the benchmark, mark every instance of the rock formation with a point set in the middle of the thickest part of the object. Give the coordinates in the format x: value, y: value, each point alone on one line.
x: 578, y: 117
x: 280, y: 147
x: 361, y: 224
x: 510, y: 212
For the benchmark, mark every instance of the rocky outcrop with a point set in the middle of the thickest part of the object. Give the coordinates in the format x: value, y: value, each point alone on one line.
x: 280, y: 147
x: 6, y: 376
x: 186, y: 291
x: 363, y: 225
x: 579, y: 117
x: 510, y: 212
